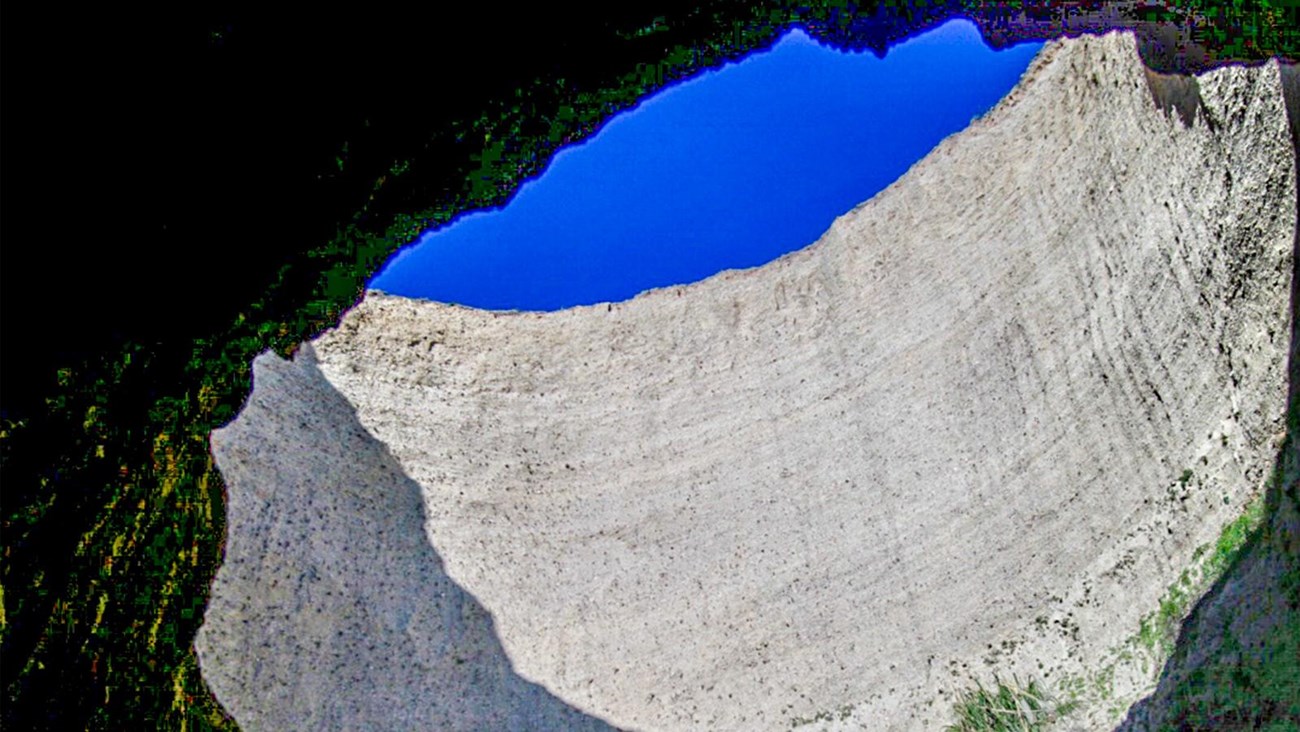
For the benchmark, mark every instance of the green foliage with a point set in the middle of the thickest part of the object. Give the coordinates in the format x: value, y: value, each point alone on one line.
x: 1158, y: 630
x: 110, y: 621
x: 1255, y: 683
x: 1007, y: 707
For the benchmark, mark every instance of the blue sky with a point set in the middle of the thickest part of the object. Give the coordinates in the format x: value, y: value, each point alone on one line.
x: 730, y: 169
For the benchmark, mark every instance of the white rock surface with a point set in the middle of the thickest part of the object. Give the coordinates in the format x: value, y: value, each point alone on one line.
x: 943, y: 441
x: 332, y: 611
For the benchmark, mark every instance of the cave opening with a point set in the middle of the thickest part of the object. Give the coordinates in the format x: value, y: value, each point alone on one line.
x: 728, y: 170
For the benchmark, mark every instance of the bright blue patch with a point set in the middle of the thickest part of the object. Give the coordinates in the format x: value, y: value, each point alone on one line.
x: 730, y: 169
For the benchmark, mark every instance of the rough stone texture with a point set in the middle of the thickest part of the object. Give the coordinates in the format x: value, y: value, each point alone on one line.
x: 332, y: 611
x: 945, y: 440
x: 1224, y: 674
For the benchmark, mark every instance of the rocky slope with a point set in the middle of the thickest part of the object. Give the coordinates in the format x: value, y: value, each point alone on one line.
x: 979, y: 426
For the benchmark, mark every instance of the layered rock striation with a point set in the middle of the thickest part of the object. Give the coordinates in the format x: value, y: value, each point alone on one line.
x: 978, y: 427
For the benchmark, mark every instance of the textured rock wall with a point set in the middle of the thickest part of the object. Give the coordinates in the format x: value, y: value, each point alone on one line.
x: 950, y: 437
x: 334, y: 612
x: 1237, y: 665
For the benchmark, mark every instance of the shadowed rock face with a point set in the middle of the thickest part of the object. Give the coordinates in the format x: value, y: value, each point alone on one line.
x: 951, y: 437
x: 336, y: 613
x: 1224, y: 674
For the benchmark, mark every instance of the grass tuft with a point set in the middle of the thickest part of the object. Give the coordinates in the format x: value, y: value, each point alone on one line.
x: 1004, y: 708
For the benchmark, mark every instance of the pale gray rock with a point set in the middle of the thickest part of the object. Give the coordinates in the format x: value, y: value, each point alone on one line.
x: 1253, y: 612
x: 950, y: 438
x: 331, y: 610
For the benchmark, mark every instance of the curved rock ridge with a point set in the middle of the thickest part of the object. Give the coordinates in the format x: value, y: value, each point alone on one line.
x: 978, y: 427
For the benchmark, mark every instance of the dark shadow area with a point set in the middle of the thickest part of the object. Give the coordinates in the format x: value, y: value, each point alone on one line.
x: 185, y: 188
x: 1236, y: 662
x: 1178, y: 93
x: 163, y: 170
x: 332, y: 610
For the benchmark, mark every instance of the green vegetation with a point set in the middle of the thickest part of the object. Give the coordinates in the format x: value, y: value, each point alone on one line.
x: 1230, y: 688
x: 1145, y: 652
x: 1250, y: 692
x: 1254, y: 682
x: 110, y: 622
x: 1159, y: 628
x: 1007, y: 707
